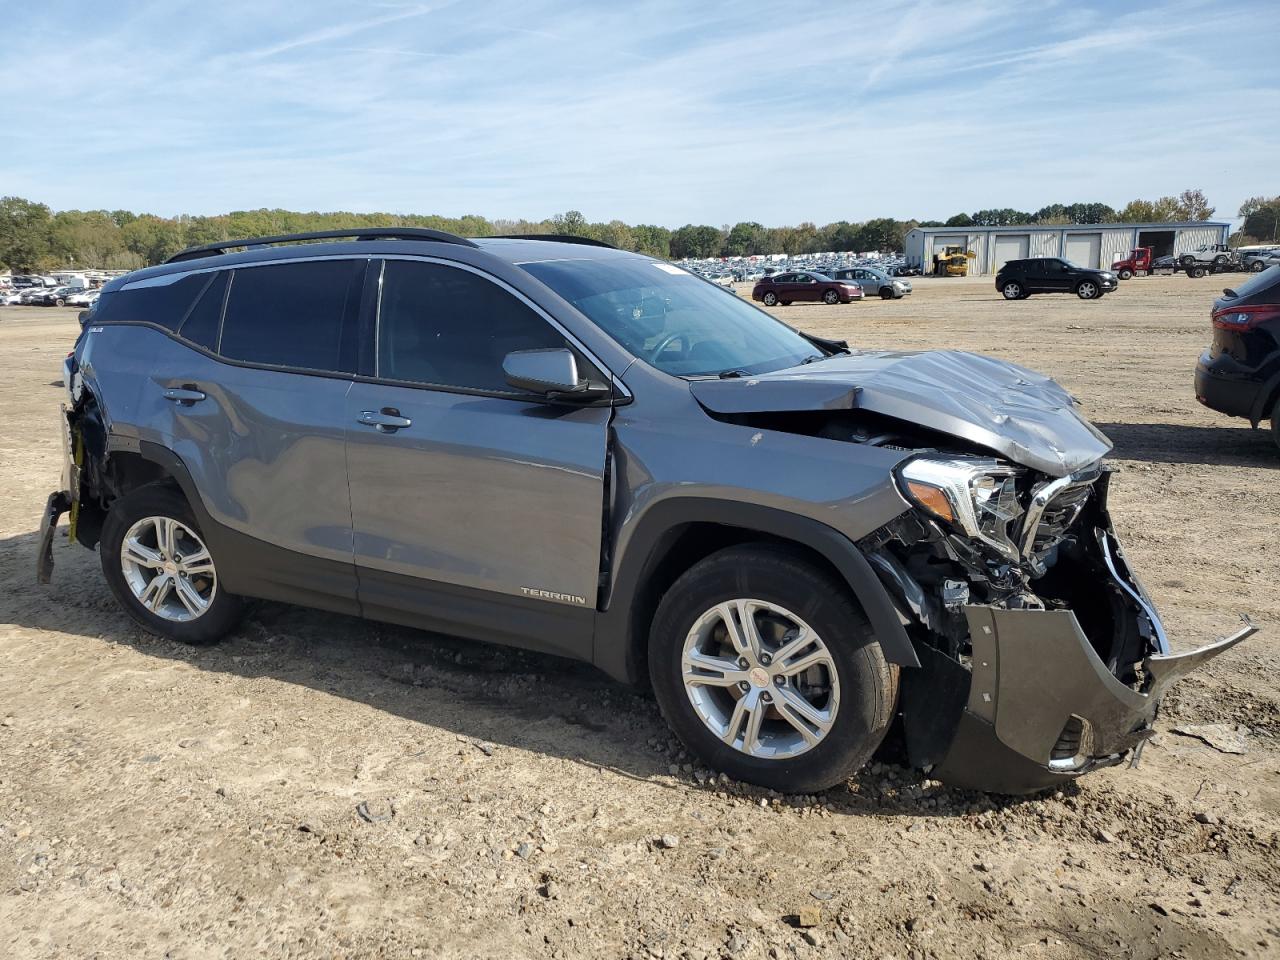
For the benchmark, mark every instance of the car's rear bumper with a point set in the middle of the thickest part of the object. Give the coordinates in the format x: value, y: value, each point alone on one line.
x: 1225, y: 386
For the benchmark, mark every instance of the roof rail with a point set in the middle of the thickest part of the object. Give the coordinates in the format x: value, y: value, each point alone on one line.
x: 358, y: 233
x: 554, y: 238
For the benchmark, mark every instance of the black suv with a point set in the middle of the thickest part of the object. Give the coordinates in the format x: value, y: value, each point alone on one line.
x: 1239, y: 374
x: 1018, y: 279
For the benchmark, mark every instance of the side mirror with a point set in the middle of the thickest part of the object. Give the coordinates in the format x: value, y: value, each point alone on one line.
x: 551, y: 372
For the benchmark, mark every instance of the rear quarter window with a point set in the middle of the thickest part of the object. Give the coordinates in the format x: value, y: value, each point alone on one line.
x: 157, y: 300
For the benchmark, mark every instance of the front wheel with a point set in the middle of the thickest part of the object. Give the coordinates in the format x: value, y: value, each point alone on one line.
x: 1197, y: 272
x: 160, y: 569
x: 886, y: 293
x: 766, y: 669
x: 1088, y: 290
x: 1125, y: 274
x: 831, y: 297
x: 1257, y: 266
x: 1012, y: 291
x: 770, y: 299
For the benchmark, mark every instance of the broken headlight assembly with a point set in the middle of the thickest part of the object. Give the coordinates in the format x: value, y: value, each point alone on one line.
x: 978, y: 497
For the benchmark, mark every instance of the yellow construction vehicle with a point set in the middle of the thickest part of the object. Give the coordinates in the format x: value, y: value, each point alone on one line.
x: 952, y: 262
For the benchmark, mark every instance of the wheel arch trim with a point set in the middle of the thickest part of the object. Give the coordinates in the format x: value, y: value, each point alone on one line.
x: 619, y: 645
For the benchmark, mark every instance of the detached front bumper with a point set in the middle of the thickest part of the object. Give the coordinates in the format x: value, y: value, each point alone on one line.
x: 1042, y: 708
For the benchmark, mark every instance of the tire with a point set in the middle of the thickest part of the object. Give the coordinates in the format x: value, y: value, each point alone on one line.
x: 1013, y: 290
x: 1125, y: 274
x: 1257, y: 266
x: 1220, y: 260
x: 1188, y: 260
x: 770, y: 299
x: 831, y: 298
x: 1197, y: 272
x: 860, y: 687
x: 1088, y: 290
x: 886, y: 293
x: 134, y: 515
x: 59, y: 302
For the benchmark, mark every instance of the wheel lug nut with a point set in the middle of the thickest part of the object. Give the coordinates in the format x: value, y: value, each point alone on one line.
x: 766, y: 698
x: 742, y: 663
x: 766, y: 659
x: 744, y: 686
x: 780, y: 681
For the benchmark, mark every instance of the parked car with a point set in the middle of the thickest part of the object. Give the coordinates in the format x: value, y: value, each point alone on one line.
x: 1258, y: 261
x: 906, y: 270
x: 582, y: 450
x: 57, y: 297
x: 83, y: 298
x: 1019, y: 279
x: 875, y: 282
x: 1239, y: 374
x: 804, y: 286
x: 11, y: 299
x: 32, y: 295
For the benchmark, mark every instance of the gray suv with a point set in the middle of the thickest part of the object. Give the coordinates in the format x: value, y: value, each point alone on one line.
x: 550, y: 443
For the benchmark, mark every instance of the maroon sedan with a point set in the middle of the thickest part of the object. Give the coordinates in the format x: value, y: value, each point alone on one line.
x: 787, y: 288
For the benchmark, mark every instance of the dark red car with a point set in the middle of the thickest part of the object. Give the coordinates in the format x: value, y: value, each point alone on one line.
x: 799, y: 285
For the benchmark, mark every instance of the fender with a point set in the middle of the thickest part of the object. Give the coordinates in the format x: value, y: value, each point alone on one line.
x: 616, y: 647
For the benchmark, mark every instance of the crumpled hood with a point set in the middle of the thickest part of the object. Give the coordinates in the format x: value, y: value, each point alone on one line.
x: 1015, y: 412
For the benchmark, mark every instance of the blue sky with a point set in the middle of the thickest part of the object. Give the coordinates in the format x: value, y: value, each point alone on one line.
x: 648, y: 112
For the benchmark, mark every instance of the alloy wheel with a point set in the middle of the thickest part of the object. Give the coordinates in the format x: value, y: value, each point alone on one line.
x: 168, y: 569
x: 1087, y: 291
x: 760, y: 679
x: 1012, y: 291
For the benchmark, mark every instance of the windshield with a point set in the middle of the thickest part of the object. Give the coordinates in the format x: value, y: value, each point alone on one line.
x: 671, y: 319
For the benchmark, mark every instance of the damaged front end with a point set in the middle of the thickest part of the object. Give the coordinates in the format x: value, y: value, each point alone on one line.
x: 1042, y: 657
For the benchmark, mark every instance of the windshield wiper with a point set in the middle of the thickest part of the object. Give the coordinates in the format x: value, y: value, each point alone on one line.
x: 732, y: 374
x: 816, y: 357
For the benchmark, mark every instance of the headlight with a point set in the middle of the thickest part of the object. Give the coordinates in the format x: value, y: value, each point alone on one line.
x: 977, y: 496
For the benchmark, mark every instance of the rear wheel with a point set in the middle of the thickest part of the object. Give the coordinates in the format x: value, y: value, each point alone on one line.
x: 157, y: 564
x: 830, y: 297
x: 1013, y: 291
x: 1197, y: 272
x: 1220, y: 260
x: 770, y: 299
x: 767, y: 669
x: 1088, y: 290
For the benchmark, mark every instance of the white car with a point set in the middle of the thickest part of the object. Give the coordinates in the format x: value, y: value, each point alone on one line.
x: 85, y: 298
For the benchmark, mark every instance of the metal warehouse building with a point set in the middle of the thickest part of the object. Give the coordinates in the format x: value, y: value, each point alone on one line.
x: 1085, y: 244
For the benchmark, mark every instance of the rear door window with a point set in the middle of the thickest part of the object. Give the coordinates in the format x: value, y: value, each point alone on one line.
x: 299, y: 315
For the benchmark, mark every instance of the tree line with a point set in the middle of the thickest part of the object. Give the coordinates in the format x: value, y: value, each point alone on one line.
x: 35, y: 238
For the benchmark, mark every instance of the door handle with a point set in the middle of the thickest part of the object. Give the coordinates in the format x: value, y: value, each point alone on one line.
x: 184, y: 395
x: 386, y: 420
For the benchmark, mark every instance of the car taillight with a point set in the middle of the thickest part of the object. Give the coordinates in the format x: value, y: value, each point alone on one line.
x: 1245, y: 318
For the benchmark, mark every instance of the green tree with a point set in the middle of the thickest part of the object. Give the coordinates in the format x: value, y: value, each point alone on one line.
x: 652, y: 240
x: 571, y: 223
x: 695, y: 241
x: 1262, y: 218
x: 960, y: 220
x: 152, y: 239
x: 26, y: 234
x: 743, y: 239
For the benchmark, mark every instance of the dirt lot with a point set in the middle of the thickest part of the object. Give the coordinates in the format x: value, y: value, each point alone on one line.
x: 164, y: 801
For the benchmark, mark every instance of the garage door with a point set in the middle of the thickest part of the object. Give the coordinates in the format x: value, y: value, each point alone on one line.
x: 941, y: 243
x: 1084, y: 249
x: 1011, y: 247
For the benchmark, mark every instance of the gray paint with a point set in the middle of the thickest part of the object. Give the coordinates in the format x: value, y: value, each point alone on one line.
x: 1011, y: 410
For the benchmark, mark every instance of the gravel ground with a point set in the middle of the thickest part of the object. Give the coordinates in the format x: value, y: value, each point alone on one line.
x: 318, y: 786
